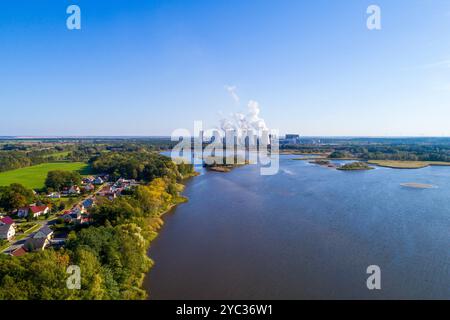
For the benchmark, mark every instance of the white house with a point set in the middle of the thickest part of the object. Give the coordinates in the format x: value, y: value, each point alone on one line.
x: 7, y: 231
x: 36, y: 211
x: 54, y: 195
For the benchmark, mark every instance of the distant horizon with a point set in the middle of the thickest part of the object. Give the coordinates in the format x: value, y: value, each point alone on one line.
x: 29, y: 137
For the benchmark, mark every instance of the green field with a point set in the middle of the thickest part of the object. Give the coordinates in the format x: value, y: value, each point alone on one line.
x: 58, y: 155
x: 34, y: 177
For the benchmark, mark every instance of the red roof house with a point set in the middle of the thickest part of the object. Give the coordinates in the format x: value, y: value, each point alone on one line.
x: 19, y: 252
x: 36, y: 211
x: 7, y: 220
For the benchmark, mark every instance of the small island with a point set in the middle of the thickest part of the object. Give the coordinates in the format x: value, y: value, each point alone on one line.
x: 323, y: 162
x: 222, y: 164
x: 417, y: 185
x: 354, y: 166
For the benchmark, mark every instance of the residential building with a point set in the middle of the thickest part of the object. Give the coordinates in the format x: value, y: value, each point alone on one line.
x: 7, y: 231
x: 44, y: 232
x: 74, y: 190
x: 18, y: 252
x: 87, y: 180
x: 98, y: 181
x: 36, y: 244
x: 34, y: 210
x: 72, y: 217
x: 7, y: 220
x: 88, y: 203
x: 54, y: 195
x: 89, y: 187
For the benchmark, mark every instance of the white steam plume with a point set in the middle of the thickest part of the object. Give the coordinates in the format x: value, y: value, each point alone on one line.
x: 232, y: 91
x: 245, y: 121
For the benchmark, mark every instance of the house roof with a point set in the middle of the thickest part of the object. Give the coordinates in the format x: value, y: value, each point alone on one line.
x: 36, y: 209
x: 46, y: 230
x: 88, y: 203
x: 19, y: 252
x: 7, y: 220
x: 75, y: 214
x: 4, y: 228
x: 33, y: 244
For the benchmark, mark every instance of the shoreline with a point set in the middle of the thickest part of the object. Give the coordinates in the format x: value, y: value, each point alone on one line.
x: 180, y: 200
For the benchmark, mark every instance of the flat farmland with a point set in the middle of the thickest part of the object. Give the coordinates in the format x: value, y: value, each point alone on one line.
x: 34, y: 177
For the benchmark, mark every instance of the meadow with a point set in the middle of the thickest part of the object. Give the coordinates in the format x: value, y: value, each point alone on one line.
x: 34, y: 176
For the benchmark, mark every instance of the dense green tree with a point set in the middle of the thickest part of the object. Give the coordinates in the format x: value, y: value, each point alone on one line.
x: 15, y: 196
x: 58, y: 179
x: 37, y: 276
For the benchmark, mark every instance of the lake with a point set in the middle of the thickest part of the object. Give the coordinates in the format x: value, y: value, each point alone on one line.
x: 308, y: 232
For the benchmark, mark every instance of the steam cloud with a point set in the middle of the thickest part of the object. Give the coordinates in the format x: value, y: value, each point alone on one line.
x: 232, y: 91
x: 245, y: 121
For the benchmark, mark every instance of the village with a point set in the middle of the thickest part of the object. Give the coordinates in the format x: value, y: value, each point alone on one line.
x: 38, y: 226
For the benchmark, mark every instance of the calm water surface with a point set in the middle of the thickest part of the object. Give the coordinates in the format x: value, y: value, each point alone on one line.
x: 306, y: 233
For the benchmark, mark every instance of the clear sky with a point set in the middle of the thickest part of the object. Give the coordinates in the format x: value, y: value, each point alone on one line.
x: 141, y: 67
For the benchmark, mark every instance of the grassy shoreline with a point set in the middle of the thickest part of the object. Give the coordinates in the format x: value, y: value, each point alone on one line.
x: 394, y: 164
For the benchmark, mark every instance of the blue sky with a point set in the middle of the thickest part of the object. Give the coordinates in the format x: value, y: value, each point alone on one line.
x: 148, y: 67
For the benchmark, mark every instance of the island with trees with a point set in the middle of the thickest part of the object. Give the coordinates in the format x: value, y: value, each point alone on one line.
x: 355, y: 166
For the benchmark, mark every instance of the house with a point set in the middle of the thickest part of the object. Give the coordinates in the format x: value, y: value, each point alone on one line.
x: 7, y: 231
x: 72, y: 217
x: 98, y: 181
x: 18, y: 252
x: 89, y: 187
x: 108, y: 192
x: 87, y: 180
x: 79, y: 208
x: 44, y: 232
x: 88, y: 203
x: 36, y: 244
x: 7, y: 220
x: 23, y: 212
x: 74, y: 190
x: 34, y: 210
x: 85, y: 219
x: 54, y: 195
x: 66, y: 217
